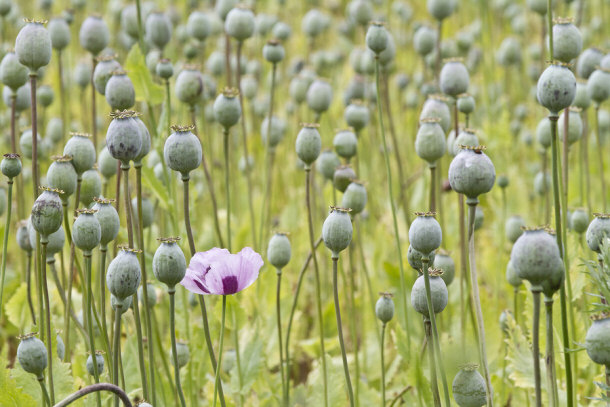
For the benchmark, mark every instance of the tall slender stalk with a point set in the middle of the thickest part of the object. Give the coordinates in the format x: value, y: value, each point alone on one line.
x: 79, y: 180
x: 89, y: 299
x: 433, y: 188
x: 28, y: 278
x: 431, y: 361
x: 600, y: 158
x: 44, y: 241
x: 45, y: 394
x: 9, y: 205
x: 269, y: 158
x: 225, y: 134
x: 348, y: 381
x: 279, y: 335
x: 116, y: 348
x: 403, y: 286
x: 93, y: 112
x: 172, y: 333
x: 102, y: 281
x: 550, y: 354
x: 240, y: 378
x: 222, y: 334
x: 381, y: 350
x: 535, y: 346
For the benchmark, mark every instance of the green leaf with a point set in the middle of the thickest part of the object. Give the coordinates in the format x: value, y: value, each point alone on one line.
x: 10, y: 394
x: 337, y: 393
x: 146, y: 90
x: 17, y: 308
x: 151, y: 182
x: 251, y: 364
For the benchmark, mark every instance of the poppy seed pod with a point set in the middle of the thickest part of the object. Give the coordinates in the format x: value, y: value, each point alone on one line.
x: 384, y: 308
x: 91, y: 186
x: 466, y: 137
x: 108, y: 219
x: 54, y: 130
x: 377, y: 37
x: 511, y: 275
x: 82, y: 74
x: 313, y: 23
x: 22, y: 101
x: 62, y: 175
x: 543, y: 132
x: 47, y: 213
x: 164, y: 69
x: 123, y: 276
x: 33, y: 45
x: 273, y: 51
x: 99, y: 359
x: 189, y: 85
x: 308, y: 143
x: 354, y: 197
x: 281, y: 31
x: 588, y: 61
x: 575, y: 126
x: 12, y: 73
x: 598, y: 230
x: 59, y: 32
x: 319, y: 96
x: 81, y: 149
x: 436, y: 107
x: 147, y: 211
x: 32, y: 355
x: 597, y: 340
x: 356, y: 115
x: 534, y: 256
x: 513, y: 228
x: 145, y: 136
x: 158, y: 29
x: 123, y: 137
x: 120, y: 93
x: 151, y: 298
x: 298, y: 88
x: 425, y: 234
x: 346, y: 143
x: 439, y: 295
x: 240, y: 23
x: 249, y: 86
x: 227, y: 109
x: 343, y: 176
x: 469, y: 389
x: 503, y: 181
x: 582, y: 99
x: 471, y: 172
x: 454, y: 78
x: 182, y: 150
x: 104, y: 68
x: 183, y: 353
x: 414, y: 258
x: 556, y: 88
x: 11, y: 165
x: 198, y: 25
x: 387, y: 56
x: 25, y: 144
x: 465, y: 104
x: 61, y: 347
x: 169, y: 263
x: 598, y: 85
x: 430, y: 141
x: 554, y: 281
x: 441, y: 9
x: 278, y: 129
x: 94, y: 35
x: 537, y: 6
x: 23, y: 237
x: 125, y: 303
x: 45, y: 95
x: 86, y: 231
x: 327, y: 164
x: 279, y: 250
x: 106, y: 164
x: 424, y: 40
x: 579, y: 220
x: 445, y: 263
x: 567, y: 40
x: 337, y: 230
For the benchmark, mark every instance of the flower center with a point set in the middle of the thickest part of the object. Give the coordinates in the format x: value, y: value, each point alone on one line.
x: 229, y: 285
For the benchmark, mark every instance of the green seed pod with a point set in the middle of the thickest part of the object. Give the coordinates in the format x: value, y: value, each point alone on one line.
x: 387, y: 56
x: 513, y: 227
x: 169, y: 263
x: 108, y: 219
x: 5, y: 7
x: 466, y: 137
x: 249, y: 86
x: 534, y: 256
x: 152, y: 295
x: 86, y: 231
x: 189, y: 85
x: 164, y: 69
x: 343, y: 176
x: 354, y: 197
x: 543, y: 132
x: 123, y: 276
x: 94, y: 35
x: 503, y: 181
x: 471, y: 172
x: 54, y: 130
x: 360, y: 11
x: 25, y: 144
x: 430, y: 141
x: 441, y: 9
x: 102, y: 73
x: 554, y: 281
x: 465, y: 103
x: 273, y: 51
x: 298, y: 88
x: 319, y: 96
x: 444, y: 262
x: 239, y: 23
x: 308, y: 143
x: 556, y: 88
x: 198, y: 26
x: 313, y: 23
x: 567, y: 40
x: 436, y: 107
x: 512, y: 277
x: 542, y: 183
x: 356, y: 115
x: 377, y: 37
x: 425, y: 234
x: 384, y: 308
x: 281, y: 31
x: 47, y: 213
x: 23, y: 237
x: 582, y: 100
x: 91, y: 186
x: 59, y: 31
x: 346, y: 143
x: 148, y: 211
x: 182, y: 151
x: 183, y: 353
x: 123, y: 137
x: 279, y: 250
x: 504, y: 321
x: 454, y: 78
x: 22, y: 101
x: 61, y: 347
x: 125, y: 303
x: 120, y: 93
x: 32, y: 355
x: 469, y: 388
x: 424, y: 40
x: 146, y: 142
x: 11, y: 165
x: 438, y: 294
x: 227, y: 110
x: 337, y: 230
x: 278, y: 130
x: 579, y: 221
x: 33, y: 45
x: 158, y: 29
x: 414, y: 258
x: 575, y: 126
x: 598, y: 85
x: 588, y: 61
x: 537, y: 6
x: 327, y: 164
x: 99, y: 359
x: 598, y: 230
x: 597, y: 340
x: 82, y: 74
x: 81, y: 149
x: 478, y: 218
x: 61, y: 175
x: 106, y: 164
x: 12, y: 73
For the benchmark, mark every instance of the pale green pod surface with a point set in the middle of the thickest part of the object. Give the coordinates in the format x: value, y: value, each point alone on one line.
x: 556, y: 88
x: 94, y: 35
x: 384, y: 309
x: 588, y: 61
x: 32, y: 355
x: 61, y: 175
x: 567, y: 41
x: 346, y: 144
x: 337, y: 230
x: 12, y: 73
x: 91, y: 186
x: 471, y: 173
x: 22, y: 102
x: 535, y: 255
x: 107, y: 164
x: 454, y: 78
x: 54, y: 130
x: 554, y: 281
x: 47, y: 212
x: 438, y: 294
x: 598, y: 85
x: 86, y: 232
x: 441, y: 9
x: 513, y: 228
x: 574, y: 126
x: 169, y: 263
x: 61, y: 347
x: 445, y: 263
x: 279, y: 250
x: 466, y: 104
x: 123, y: 276
x: 109, y: 220
x: 182, y: 350
x: 538, y: 6
x: 414, y: 258
x: 469, y: 389
x: 189, y: 86
x: 308, y: 144
x: 227, y: 109
x: 120, y: 93
x: 425, y: 234
x: 582, y: 99
x: 151, y: 299
x: 123, y: 138
x: 434, y: 108
x: 597, y: 341
x: 278, y: 130
x: 103, y: 72
x: 580, y: 220
x: 198, y: 26
x: 81, y: 149
x: 319, y: 96
x: 182, y: 151
x: 344, y: 175
x: 424, y: 40
x: 158, y: 29
x: 125, y: 304
x: 543, y: 132
x: 377, y: 38
x: 511, y: 275
x: 354, y: 197
x: 59, y: 31
x: 357, y: 116
x: 148, y: 211
x: 100, y: 364
x: 327, y: 164
x: 466, y: 137
x: 25, y: 144
x: 33, y: 46
x: 430, y: 142
x: 598, y: 229
x: 239, y: 23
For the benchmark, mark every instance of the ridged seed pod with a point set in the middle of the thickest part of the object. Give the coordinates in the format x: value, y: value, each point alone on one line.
x: 86, y: 231
x: 11, y: 165
x: 123, y: 276
x: 425, y: 234
x: 337, y: 230
x: 81, y: 149
x: 47, y: 212
x: 62, y: 175
x: 169, y: 263
x: 384, y: 308
x: 469, y: 388
x: 182, y: 150
x: 33, y: 45
x: 279, y: 250
x: 471, y: 172
x: 227, y: 109
x: 430, y: 141
x: 354, y: 197
x: 438, y: 294
x: 556, y: 88
x: 308, y: 143
x: 32, y: 355
x: 534, y: 256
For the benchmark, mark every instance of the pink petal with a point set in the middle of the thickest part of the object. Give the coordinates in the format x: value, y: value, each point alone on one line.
x: 193, y: 283
x: 251, y: 263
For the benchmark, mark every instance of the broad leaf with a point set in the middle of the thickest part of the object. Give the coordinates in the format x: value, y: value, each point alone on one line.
x: 146, y: 90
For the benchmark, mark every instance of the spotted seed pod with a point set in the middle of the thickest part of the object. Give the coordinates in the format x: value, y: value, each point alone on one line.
x: 123, y: 276
x: 123, y: 137
x: 99, y: 358
x: 47, y: 211
x: 471, y: 172
x: 556, y: 88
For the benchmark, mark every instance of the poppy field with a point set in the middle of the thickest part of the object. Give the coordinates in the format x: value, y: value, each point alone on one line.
x: 304, y: 203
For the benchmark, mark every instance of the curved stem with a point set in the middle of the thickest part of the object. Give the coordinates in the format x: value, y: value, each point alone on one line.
x: 225, y: 133
x: 403, y: 287
x: 116, y: 349
x: 382, y: 365
x: 43, y: 389
x: 172, y: 333
x: 535, y: 347
x: 9, y: 205
x: 317, y: 277
x: 279, y: 334
x: 550, y: 354
x: 96, y: 388
x: 348, y: 381
x: 222, y: 334
x: 44, y: 241
x: 89, y: 299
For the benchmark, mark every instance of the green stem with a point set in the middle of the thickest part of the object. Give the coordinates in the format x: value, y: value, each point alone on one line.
x: 265, y: 209
x: 79, y: 180
x: 95, y: 388
x: 600, y: 157
x: 47, y: 305
x: 29, y: 286
x: 382, y: 365
x: 7, y: 226
x: 279, y: 334
x: 317, y: 277
x: 93, y: 112
x: 43, y: 389
x: 225, y: 133
x: 172, y: 333
x: 96, y: 374
x: 403, y: 287
x: 431, y: 361
x: 535, y: 346
x: 348, y: 381
x: 222, y: 334
x: 550, y: 354
x: 102, y: 275
x: 116, y: 348
x: 240, y: 378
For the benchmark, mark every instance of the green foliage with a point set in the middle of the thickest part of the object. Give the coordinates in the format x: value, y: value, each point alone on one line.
x: 17, y: 309
x: 11, y: 394
x: 146, y: 90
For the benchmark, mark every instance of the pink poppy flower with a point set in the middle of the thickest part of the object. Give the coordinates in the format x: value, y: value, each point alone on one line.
x: 219, y: 272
